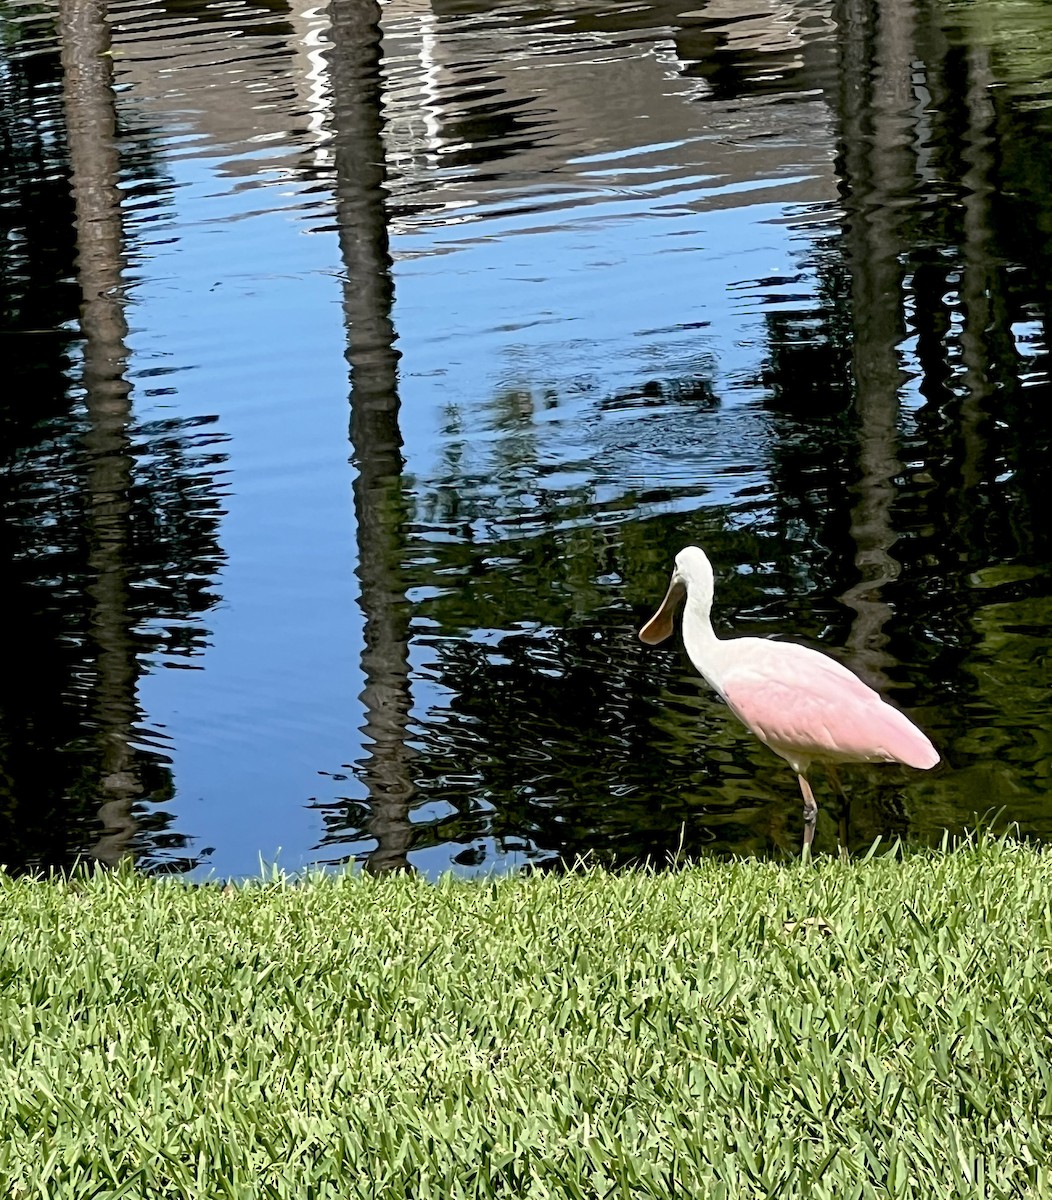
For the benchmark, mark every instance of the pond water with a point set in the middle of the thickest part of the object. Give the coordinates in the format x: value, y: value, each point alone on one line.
x: 362, y: 382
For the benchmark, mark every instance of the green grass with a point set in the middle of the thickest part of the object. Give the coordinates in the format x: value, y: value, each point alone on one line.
x: 752, y: 1029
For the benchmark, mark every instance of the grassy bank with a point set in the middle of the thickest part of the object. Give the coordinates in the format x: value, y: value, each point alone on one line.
x: 879, y: 1029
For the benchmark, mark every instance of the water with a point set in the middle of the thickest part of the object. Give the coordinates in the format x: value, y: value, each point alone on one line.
x: 360, y: 392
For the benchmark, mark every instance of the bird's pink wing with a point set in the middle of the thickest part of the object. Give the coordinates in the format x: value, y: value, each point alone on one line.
x: 808, y: 707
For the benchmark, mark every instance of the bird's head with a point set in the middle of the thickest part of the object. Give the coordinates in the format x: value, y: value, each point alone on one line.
x: 692, y: 575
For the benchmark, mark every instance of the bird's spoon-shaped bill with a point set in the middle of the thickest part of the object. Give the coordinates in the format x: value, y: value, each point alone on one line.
x: 660, y: 625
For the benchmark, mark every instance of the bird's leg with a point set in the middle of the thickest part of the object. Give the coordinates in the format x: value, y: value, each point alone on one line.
x: 810, y: 817
x: 845, y: 810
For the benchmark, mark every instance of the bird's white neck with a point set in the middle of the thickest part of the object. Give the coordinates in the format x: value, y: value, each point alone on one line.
x: 697, y: 613
x: 699, y: 638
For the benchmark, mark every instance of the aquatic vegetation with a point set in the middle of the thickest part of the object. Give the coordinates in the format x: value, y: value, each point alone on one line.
x: 750, y: 1029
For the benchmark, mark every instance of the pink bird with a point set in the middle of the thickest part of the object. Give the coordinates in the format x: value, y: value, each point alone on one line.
x: 803, y: 704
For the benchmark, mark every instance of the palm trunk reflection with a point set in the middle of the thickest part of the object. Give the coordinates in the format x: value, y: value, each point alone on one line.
x: 91, y: 121
x: 374, y: 430
x: 878, y: 169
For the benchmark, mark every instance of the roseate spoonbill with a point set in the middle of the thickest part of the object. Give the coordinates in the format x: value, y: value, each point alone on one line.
x: 803, y: 704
